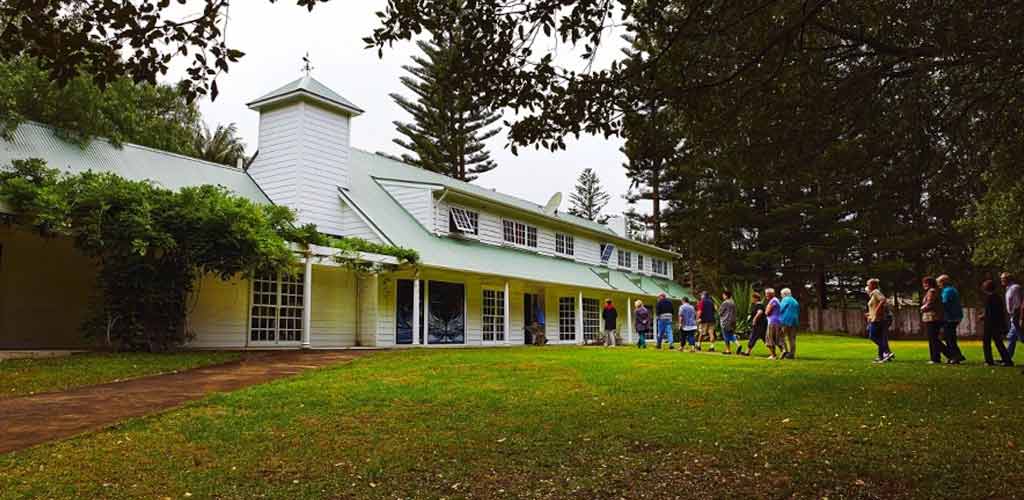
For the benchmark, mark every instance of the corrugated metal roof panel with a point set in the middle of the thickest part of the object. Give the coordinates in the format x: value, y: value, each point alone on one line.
x: 386, y: 169
x: 168, y: 170
x: 312, y: 86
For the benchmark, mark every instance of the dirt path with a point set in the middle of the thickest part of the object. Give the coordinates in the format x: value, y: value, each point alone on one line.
x: 31, y: 420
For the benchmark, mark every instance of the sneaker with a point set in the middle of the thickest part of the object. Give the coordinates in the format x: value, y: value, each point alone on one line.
x: 878, y: 360
x: 935, y: 362
x: 953, y: 362
x: 698, y: 348
x: 771, y: 357
x: 711, y: 349
x: 726, y: 352
x: 1008, y: 364
x: 889, y: 356
x: 739, y: 350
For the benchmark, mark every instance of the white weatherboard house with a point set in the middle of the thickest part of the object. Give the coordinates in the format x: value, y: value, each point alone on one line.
x: 491, y: 264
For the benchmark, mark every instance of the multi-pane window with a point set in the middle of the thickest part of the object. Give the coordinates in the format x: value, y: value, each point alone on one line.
x: 606, y: 252
x: 639, y: 262
x: 494, y: 316
x: 591, y: 319
x: 276, y: 314
x: 567, y: 318
x: 520, y: 234
x: 463, y: 221
x: 564, y: 244
x: 659, y: 266
x: 625, y: 258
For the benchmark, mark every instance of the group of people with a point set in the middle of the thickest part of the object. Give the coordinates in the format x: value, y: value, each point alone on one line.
x: 774, y: 320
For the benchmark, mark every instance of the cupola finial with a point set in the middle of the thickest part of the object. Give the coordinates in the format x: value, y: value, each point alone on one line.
x: 307, y: 65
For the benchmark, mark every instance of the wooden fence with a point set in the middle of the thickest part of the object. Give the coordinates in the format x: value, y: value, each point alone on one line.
x: 906, y: 324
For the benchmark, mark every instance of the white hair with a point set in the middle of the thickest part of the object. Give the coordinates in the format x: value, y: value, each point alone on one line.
x: 769, y: 291
x: 786, y: 292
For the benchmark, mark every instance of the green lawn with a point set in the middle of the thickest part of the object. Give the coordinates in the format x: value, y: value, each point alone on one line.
x: 570, y: 423
x: 20, y: 377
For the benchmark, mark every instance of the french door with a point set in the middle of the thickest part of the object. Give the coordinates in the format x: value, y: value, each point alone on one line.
x: 275, y: 317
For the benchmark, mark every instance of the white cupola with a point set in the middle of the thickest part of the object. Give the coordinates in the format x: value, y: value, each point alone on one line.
x: 304, y: 151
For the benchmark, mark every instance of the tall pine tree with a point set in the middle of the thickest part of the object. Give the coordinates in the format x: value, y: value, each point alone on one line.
x: 588, y: 197
x: 450, y: 124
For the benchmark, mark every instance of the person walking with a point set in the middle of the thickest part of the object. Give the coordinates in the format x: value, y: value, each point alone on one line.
x: 953, y: 314
x: 610, y: 317
x: 878, y: 326
x: 727, y: 319
x: 1014, y: 300
x: 642, y: 323
x: 932, y: 318
x: 789, y: 311
x: 758, y: 324
x: 664, y: 311
x: 995, y: 324
x: 774, y: 340
x: 688, y: 324
x: 706, y: 315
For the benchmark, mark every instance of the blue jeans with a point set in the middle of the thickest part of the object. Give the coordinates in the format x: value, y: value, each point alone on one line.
x: 728, y: 336
x: 1011, y: 339
x: 665, y: 332
x: 878, y: 333
x: 641, y: 341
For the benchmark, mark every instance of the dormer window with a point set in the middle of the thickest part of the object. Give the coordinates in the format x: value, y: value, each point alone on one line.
x: 463, y: 221
x: 564, y: 244
x: 519, y: 234
x: 606, y: 252
x: 625, y: 259
x: 659, y: 266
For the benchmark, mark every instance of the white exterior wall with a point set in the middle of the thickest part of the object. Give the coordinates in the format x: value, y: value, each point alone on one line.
x: 333, y: 317
x: 220, y: 319
x: 368, y: 306
x: 356, y: 227
x: 303, y: 159
x: 417, y: 200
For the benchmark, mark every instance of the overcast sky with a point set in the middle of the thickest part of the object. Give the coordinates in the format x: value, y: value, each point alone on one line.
x: 276, y: 36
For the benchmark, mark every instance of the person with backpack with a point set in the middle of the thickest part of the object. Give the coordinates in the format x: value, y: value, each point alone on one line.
x: 994, y: 319
x: 878, y: 322
x: 610, y: 317
x: 664, y: 311
x: 642, y: 323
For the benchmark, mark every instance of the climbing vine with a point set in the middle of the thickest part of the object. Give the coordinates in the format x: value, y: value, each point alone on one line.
x: 152, y: 245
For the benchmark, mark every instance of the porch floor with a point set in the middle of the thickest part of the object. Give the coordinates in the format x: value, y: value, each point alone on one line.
x: 32, y: 420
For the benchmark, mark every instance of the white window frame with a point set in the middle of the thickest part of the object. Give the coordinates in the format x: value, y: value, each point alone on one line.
x: 492, y: 323
x: 276, y: 306
x: 659, y: 266
x: 567, y: 319
x: 519, y: 234
x: 465, y: 221
x: 606, y: 249
x: 565, y: 244
x: 591, y: 319
x: 625, y: 258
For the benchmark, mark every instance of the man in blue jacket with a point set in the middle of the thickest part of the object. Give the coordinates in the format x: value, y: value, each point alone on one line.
x: 953, y: 314
x: 663, y: 309
x: 707, y: 321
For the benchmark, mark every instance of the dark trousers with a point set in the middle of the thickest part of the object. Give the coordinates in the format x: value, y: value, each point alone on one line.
x: 878, y: 332
x: 935, y: 346
x: 755, y: 335
x: 996, y: 337
x: 951, y: 344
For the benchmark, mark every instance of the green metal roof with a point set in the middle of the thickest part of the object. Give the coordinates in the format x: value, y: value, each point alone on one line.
x: 168, y: 170
x: 384, y: 168
x: 309, y: 86
x: 465, y: 255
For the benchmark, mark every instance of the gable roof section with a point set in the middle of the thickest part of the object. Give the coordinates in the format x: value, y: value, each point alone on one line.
x: 309, y: 87
x: 386, y: 169
x: 133, y: 162
x: 468, y: 255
